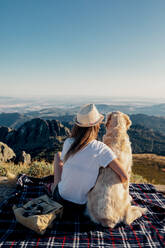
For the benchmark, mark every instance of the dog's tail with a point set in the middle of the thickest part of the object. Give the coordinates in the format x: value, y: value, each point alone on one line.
x: 133, y: 213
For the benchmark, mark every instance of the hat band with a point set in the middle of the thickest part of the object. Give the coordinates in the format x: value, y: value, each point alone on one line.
x: 89, y: 124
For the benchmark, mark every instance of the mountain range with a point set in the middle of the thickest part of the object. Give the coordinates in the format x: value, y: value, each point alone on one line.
x: 42, y: 138
x: 149, y: 106
x: 41, y: 129
x: 38, y: 137
x: 15, y: 120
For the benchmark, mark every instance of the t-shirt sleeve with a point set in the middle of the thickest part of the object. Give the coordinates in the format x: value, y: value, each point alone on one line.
x: 65, y: 148
x: 105, y: 155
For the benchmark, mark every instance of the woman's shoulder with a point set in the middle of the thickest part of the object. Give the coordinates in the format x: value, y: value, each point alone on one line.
x: 104, y: 152
x: 68, y: 141
x: 98, y: 144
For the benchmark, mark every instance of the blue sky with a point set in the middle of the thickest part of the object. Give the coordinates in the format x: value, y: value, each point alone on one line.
x: 82, y: 47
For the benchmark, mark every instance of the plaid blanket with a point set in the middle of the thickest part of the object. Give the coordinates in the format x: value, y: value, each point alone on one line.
x: 75, y: 230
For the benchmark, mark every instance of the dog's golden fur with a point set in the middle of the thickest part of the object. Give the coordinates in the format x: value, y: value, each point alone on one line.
x: 109, y: 202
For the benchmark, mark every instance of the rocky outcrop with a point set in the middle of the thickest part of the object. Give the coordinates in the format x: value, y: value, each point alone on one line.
x: 35, y: 137
x: 6, y: 153
x: 5, y: 133
x: 23, y: 157
x: 38, y: 134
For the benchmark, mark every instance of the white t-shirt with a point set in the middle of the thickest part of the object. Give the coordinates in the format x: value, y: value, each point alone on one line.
x: 80, y: 171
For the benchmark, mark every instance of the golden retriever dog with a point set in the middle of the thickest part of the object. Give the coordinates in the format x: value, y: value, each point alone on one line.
x: 109, y: 201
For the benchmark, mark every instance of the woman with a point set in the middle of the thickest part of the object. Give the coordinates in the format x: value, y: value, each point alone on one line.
x: 76, y: 168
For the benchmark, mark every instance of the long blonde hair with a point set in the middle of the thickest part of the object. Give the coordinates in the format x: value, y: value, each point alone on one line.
x: 82, y: 136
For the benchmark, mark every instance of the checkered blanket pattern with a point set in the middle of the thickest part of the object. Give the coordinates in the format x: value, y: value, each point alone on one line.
x: 75, y: 230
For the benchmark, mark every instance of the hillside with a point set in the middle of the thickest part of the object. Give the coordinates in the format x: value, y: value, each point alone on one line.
x: 41, y: 138
x: 148, y: 116
x: 150, y: 166
x: 13, y: 120
x: 152, y: 122
x: 145, y: 140
x: 38, y: 137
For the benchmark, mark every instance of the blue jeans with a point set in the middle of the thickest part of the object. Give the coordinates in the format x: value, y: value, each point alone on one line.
x: 65, y: 203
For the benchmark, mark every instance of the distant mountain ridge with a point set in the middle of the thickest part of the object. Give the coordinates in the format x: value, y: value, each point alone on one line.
x: 42, y: 138
x: 15, y: 120
x: 36, y: 107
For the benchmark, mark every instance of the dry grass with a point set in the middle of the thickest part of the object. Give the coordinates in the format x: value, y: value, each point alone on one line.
x: 36, y: 169
x: 147, y: 168
x: 138, y: 179
x: 148, y: 156
x: 150, y: 166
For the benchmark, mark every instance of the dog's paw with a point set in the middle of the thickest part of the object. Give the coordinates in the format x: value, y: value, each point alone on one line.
x: 107, y: 223
x: 143, y: 210
x: 134, y: 213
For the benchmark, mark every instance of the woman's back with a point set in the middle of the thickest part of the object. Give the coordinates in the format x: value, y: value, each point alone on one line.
x: 80, y: 171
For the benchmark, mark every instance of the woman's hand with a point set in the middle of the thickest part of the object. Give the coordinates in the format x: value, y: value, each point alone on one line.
x: 118, y: 168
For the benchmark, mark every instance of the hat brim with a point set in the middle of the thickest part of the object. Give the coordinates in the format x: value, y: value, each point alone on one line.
x: 89, y: 124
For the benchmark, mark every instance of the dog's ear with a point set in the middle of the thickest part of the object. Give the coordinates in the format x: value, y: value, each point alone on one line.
x: 128, y: 121
x: 108, y: 118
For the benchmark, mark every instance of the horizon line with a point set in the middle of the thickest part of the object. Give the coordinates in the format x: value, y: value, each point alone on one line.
x: 85, y: 96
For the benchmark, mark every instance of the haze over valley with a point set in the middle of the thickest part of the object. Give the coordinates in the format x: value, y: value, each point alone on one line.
x: 59, y: 105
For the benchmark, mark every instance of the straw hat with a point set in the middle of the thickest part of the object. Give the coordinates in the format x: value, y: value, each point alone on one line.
x: 88, y: 116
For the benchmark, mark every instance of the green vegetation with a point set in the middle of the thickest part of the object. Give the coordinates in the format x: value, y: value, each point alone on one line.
x: 147, y: 168
x: 36, y: 169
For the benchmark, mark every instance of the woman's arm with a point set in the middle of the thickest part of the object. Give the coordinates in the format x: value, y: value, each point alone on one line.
x: 58, y: 165
x: 118, y: 168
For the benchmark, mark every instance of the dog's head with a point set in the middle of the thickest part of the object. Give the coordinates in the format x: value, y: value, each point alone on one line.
x: 117, y: 119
